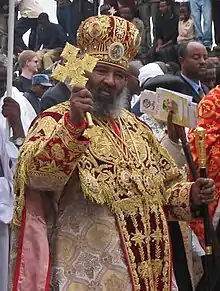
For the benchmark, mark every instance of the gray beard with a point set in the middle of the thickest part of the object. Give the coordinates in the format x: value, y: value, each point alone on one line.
x: 111, y: 106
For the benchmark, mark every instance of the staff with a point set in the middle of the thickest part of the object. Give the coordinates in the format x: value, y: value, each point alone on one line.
x: 201, y: 149
x: 11, y: 20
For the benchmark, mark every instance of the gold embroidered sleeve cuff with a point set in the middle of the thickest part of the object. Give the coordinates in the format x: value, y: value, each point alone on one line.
x: 178, y: 206
x: 74, y: 130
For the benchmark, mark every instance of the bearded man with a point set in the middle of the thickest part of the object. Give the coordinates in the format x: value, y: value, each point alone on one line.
x: 93, y: 204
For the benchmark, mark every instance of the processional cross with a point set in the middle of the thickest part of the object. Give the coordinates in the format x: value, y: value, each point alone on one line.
x: 74, y: 69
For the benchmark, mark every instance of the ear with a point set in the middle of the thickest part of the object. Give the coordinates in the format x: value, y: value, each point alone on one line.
x: 181, y: 60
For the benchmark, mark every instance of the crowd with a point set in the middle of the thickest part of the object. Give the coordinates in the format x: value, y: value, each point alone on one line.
x: 110, y: 207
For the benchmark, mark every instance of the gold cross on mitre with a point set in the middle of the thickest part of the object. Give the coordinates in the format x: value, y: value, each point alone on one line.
x: 74, y: 68
x: 112, y: 11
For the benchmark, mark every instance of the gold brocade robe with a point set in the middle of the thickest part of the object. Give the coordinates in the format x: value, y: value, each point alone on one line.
x: 115, y: 236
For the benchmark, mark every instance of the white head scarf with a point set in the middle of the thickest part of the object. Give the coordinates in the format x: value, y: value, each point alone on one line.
x: 148, y: 71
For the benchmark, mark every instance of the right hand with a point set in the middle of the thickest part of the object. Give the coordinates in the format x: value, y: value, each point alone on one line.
x: 80, y: 103
x: 175, y: 132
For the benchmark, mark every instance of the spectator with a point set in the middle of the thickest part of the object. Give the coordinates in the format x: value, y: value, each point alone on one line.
x: 217, y: 75
x: 199, y: 9
x: 40, y: 84
x: 65, y: 18
x: 209, y: 79
x: 186, y: 27
x: 177, y: 5
x: 128, y: 13
x: 29, y: 10
x: 3, y: 74
x: 28, y: 63
x: 166, y: 26
x: 216, y: 20
x: 53, y: 39
x: 146, y: 10
x: 193, y: 57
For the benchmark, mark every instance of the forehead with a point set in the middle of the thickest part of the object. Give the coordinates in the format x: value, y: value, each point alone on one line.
x: 196, y: 49
x: 110, y: 68
x: 183, y: 9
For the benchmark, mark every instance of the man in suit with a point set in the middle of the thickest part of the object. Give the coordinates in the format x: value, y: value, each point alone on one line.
x: 193, y: 58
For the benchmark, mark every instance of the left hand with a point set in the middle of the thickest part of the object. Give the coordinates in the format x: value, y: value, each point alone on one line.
x: 11, y: 111
x: 202, y: 191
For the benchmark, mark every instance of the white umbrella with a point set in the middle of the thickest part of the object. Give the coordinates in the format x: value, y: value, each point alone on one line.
x: 11, y: 21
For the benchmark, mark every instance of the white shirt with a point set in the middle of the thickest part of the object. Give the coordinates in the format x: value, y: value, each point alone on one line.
x: 30, y: 8
x: 27, y: 111
x: 8, y: 158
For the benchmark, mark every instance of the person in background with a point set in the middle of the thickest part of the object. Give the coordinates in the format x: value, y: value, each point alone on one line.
x: 65, y: 18
x: 29, y: 10
x: 166, y: 26
x: 40, y: 84
x: 209, y: 79
x: 203, y: 32
x: 193, y: 57
x: 53, y: 39
x: 128, y: 13
x: 217, y: 82
x: 133, y: 84
x: 186, y: 27
x: 146, y: 10
x: 28, y: 63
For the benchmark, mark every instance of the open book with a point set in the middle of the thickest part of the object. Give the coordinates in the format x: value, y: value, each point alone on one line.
x: 159, y: 103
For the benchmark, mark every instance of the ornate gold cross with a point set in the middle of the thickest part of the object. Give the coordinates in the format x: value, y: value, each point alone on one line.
x: 73, y: 71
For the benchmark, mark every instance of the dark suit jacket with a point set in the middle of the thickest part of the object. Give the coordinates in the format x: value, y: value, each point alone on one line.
x: 53, y: 96
x: 188, y: 90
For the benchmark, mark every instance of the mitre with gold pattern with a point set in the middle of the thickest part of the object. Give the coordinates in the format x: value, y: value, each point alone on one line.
x: 110, y: 39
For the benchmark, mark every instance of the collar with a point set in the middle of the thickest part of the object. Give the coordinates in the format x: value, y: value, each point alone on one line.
x: 193, y: 84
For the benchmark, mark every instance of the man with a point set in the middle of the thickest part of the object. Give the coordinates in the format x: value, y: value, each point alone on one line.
x: 3, y: 25
x: 202, y: 9
x: 105, y: 191
x: 209, y: 78
x: 133, y: 84
x: 166, y: 26
x: 53, y: 39
x: 28, y: 63
x: 40, y: 84
x: 29, y: 10
x: 65, y: 18
x: 193, y: 57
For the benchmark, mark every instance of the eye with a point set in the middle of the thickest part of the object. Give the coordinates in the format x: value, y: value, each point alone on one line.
x: 119, y: 76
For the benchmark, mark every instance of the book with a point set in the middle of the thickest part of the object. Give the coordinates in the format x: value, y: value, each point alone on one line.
x: 159, y: 103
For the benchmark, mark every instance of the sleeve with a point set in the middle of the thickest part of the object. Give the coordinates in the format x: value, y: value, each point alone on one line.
x: 51, y: 152
x: 176, y: 192
x: 209, y: 112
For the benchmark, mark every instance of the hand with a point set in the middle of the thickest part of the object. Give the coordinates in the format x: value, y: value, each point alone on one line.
x: 11, y: 110
x: 175, y: 132
x: 202, y: 191
x: 80, y: 103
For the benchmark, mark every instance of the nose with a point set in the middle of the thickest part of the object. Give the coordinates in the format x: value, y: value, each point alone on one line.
x: 110, y: 80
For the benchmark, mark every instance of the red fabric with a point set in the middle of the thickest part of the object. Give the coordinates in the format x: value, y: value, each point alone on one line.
x: 209, y: 119
x: 20, y: 248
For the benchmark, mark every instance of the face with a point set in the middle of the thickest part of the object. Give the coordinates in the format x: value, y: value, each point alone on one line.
x: 163, y: 7
x: 209, y: 78
x: 33, y: 65
x: 184, y: 14
x: 107, y: 84
x: 193, y: 65
x: 125, y: 12
x: 41, y: 90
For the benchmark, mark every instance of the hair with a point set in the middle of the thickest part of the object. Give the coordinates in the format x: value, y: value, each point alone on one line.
x: 43, y: 16
x: 186, y: 5
x: 25, y: 56
x: 174, y: 67
x: 105, y: 8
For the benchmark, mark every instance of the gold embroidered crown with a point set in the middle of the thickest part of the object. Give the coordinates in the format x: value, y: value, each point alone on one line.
x: 110, y: 39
